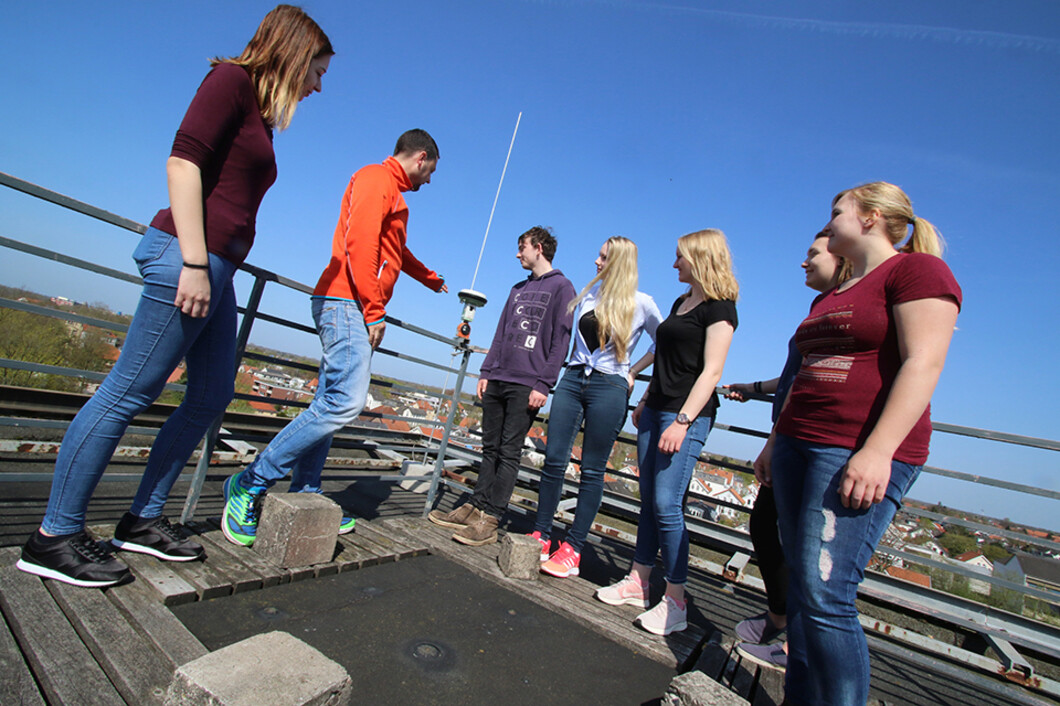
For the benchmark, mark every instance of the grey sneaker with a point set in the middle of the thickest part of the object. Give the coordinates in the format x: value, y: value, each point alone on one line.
x: 769, y: 656
x: 757, y: 630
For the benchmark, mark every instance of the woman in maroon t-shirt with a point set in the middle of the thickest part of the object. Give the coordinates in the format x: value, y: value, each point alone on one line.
x: 221, y: 165
x: 854, y: 432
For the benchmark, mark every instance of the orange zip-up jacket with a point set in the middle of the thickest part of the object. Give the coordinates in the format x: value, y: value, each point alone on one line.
x: 368, y: 251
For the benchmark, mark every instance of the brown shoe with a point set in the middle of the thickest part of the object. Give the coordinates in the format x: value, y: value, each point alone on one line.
x: 481, y: 529
x: 456, y: 519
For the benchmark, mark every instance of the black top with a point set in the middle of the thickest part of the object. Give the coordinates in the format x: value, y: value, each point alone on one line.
x: 589, y: 328
x: 679, y: 343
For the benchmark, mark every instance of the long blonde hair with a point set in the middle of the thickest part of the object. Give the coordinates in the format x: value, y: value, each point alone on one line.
x: 277, y: 59
x: 708, y: 256
x: 616, y: 302
x: 897, y: 211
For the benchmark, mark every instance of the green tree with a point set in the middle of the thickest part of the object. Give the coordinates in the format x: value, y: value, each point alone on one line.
x: 39, y: 339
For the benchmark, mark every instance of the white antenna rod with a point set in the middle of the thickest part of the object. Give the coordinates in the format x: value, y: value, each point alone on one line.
x: 490, y: 222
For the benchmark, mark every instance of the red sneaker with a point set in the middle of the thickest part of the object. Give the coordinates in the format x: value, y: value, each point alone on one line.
x: 563, y: 563
x: 546, y: 544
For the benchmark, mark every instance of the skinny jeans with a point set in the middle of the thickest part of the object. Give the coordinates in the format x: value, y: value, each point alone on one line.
x: 600, y: 401
x: 827, y: 547
x: 301, y: 448
x: 158, y: 338
x: 664, y: 480
x: 506, y: 418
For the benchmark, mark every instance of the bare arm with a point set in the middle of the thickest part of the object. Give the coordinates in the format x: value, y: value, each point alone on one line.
x: 925, y: 327
x: 738, y: 390
x: 715, y: 349
x: 185, y: 201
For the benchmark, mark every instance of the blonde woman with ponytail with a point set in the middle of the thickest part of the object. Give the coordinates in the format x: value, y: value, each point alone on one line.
x: 610, y: 316
x: 854, y: 432
x: 221, y: 164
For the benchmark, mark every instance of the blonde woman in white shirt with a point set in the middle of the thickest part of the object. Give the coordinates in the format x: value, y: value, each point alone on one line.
x: 610, y: 317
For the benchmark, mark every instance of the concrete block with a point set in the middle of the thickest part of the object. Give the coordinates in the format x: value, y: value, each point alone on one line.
x: 274, y: 669
x: 408, y: 468
x: 697, y: 689
x: 298, y: 529
x: 520, y: 556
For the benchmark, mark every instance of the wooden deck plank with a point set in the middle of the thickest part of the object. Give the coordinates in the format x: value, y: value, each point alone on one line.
x: 361, y: 540
x: 242, y: 577
x: 17, y: 685
x: 133, y: 665
x: 171, y: 587
x: 140, y: 603
x: 66, y: 670
x: 271, y: 575
x: 354, y: 556
x: 402, y: 547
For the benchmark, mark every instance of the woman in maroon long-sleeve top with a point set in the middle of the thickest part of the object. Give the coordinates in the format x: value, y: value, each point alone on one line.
x: 221, y: 165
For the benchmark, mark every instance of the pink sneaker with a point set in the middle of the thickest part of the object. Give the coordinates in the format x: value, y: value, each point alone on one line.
x: 546, y: 544
x: 563, y: 563
x: 628, y: 591
x: 665, y: 618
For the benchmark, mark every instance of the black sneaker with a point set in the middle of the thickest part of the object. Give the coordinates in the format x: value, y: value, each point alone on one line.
x: 77, y: 560
x: 155, y: 537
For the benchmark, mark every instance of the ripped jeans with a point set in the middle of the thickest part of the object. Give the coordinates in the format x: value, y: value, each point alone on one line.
x: 827, y: 547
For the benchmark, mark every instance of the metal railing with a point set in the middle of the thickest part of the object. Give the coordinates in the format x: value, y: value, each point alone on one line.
x: 251, y: 312
x: 1002, y: 629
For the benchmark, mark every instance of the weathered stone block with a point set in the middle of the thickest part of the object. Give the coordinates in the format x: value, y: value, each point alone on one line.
x: 697, y: 689
x: 298, y: 529
x: 274, y: 669
x: 408, y: 468
x: 520, y: 556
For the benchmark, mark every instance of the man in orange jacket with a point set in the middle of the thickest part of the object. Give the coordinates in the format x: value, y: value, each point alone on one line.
x: 349, y: 307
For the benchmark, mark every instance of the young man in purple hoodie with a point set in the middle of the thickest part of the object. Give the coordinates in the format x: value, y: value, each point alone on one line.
x: 521, y: 367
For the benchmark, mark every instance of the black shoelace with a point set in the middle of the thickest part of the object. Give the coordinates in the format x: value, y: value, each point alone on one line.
x: 89, y: 548
x: 163, y: 525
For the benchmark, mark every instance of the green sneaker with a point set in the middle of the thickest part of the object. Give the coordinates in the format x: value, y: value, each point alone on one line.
x: 242, y: 508
x: 347, y: 525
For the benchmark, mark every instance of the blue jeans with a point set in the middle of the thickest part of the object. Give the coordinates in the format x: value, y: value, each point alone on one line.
x: 827, y: 547
x: 600, y: 401
x: 301, y: 448
x: 159, y: 336
x: 664, y: 480
x: 506, y: 417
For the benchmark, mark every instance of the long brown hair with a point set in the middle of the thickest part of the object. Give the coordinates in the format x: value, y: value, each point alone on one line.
x: 277, y: 59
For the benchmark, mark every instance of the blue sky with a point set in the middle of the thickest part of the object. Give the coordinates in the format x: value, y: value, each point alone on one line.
x: 645, y: 119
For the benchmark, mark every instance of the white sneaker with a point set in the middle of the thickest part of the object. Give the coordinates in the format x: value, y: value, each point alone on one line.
x: 664, y: 618
x: 628, y: 591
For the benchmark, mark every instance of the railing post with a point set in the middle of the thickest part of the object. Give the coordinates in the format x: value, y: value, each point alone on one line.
x: 439, y: 463
x: 210, y: 440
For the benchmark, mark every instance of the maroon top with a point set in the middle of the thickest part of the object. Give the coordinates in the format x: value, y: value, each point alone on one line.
x: 224, y: 134
x: 850, y: 356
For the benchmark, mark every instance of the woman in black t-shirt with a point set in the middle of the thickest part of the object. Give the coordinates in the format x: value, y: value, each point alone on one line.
x: 673, y: 420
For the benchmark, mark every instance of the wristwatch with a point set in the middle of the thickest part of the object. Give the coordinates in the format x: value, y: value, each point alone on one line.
x: 683, y: 419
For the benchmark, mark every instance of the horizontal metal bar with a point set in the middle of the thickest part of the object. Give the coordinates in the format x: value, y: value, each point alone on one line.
x: 1048, y: 444
x: 996, y: 482
x: 62, y: 315
x: 967, y: 572
x: 421, y: 361
x: 72, y: 204
x: 67, y: 260
x: 68, y: 372
x: 978, y: 526
x: 450, y: 340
